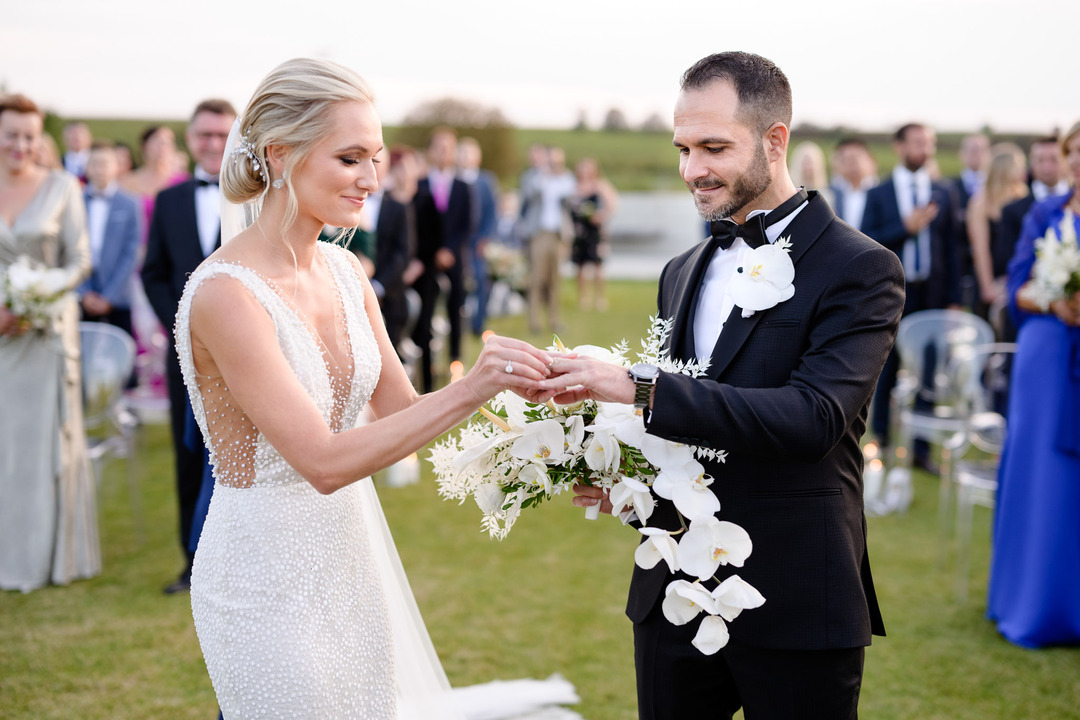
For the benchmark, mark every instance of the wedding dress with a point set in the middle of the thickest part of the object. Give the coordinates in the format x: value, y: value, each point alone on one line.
x: 300, y: 603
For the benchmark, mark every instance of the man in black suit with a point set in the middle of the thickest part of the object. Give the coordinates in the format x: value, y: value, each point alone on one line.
x: 786, y: 394
x: 395, y: 242
x: 184, y: 230
x: 913, y: 216
x: 974, y: 156
x: 443, y: 216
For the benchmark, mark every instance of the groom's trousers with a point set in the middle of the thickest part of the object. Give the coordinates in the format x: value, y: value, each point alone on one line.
x: 676, y: 681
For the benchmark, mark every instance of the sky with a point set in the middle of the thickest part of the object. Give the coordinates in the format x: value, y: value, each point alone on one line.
x: 865, y: 64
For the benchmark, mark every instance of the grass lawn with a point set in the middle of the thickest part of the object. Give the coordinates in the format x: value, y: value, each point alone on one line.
x: 548, y: 599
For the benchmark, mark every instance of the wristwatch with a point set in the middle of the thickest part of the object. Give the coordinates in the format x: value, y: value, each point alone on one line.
x: 644, y: 376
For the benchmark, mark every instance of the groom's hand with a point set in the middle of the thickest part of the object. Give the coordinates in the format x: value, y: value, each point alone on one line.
x: 575, y: 378
x: 587, y: 495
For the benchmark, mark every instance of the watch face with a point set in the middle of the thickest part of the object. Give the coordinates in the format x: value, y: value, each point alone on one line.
x: 645, y: 371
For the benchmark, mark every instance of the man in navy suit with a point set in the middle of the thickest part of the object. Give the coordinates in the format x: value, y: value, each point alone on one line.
x: 483, y: 226
x: 184, y: 230
x: 913, y: 216
x: 114, y: 224
x: 443, y: 215
x: 786, y: 394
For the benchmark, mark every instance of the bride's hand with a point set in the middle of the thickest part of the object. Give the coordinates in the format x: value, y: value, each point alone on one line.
x: 576, y: 378
x: 506, y: 363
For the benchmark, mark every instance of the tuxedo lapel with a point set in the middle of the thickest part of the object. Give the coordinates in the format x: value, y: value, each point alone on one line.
x: 803, y: 232
x: 684, y: 300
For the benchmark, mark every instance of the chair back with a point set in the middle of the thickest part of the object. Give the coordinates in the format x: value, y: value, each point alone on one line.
x: 928, y: 342
x: 981, y: 375
x: 108, y: 357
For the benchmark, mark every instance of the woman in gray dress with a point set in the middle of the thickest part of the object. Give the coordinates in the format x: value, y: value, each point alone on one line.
x: 48, y: 520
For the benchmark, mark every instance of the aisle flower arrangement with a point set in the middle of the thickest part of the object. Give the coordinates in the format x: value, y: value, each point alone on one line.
x: 518, y: 454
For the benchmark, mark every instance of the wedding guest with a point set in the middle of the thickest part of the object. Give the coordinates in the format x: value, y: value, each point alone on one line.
x: 157, y: 145
x: 443, y: 213
x: 77, y: 139
x: 48, y: 155
x: 912, y: 215
x: 591, y: 206
x: 125, y: 160
x: 483, y: 190
x: 1004, y: 184
x: 855, y: 173
x: 1048, y: 177
x: 974, y: 156
x: 786, y: 394
x: 114, y: 223
x: 545, y: 189
x: 184, y: 230
x: 808, y: 169
x: 48, y: 515
x: 1034, y: 594
x: 396, y: 264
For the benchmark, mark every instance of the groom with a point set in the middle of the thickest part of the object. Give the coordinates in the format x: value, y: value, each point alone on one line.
x: 786, y: 395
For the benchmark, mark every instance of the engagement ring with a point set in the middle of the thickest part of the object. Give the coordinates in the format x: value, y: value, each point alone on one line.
x: 510, y: 367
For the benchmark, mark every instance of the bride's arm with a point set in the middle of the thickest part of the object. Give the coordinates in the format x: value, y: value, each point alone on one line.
x: 241, y: 346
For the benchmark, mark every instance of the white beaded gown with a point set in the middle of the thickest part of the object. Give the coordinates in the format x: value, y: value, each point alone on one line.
x: 289, y: 601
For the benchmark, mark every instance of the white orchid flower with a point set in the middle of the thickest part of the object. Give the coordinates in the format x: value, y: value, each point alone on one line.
x: 665, y: 453
x: 622, y: 421
x: 515, y: 409
x: 735, y: 595
x: 541, y: 441
x: 711, y: 636
x: 659, y: 546
x: 710, y: 543
x: 575, y: 433
x: 490, y: 498
x: 684, y: 601
x: 633, y: 492
x: 598, y: 353
x: 688, y: 487
x: 764, y: 279
x: 603, y: 452
x: 535, y: 473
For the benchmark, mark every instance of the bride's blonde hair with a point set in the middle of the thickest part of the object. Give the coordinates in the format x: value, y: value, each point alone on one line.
x: 290, y: 107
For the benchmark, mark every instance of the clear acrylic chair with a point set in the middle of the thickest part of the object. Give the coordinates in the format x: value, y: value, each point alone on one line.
x: 108, y: 358
x: 983, y: 380
x: 925, y: 402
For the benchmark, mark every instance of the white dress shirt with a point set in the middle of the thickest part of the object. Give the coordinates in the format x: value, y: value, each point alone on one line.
x: 912, y: 187
x: 207, y: 211
x: 715, y: 302
x: 97, y: 217
x: 1040, y: 190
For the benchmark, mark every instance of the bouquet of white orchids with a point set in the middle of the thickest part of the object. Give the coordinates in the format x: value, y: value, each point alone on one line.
x: 519, y: 454
x: 32, y: 292
x: 1056, y: 273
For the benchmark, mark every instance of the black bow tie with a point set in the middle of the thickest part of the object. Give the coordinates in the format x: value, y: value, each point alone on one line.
x: 752, y: 231
x: 199, y: 182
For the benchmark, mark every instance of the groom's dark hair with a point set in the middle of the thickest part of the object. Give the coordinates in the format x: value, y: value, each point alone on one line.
x: 762, y: 88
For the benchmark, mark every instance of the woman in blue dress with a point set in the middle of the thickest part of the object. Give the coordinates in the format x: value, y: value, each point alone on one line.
x: 1035, y: 575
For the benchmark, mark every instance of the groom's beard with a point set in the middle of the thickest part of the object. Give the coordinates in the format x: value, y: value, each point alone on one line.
x: 745, y: 188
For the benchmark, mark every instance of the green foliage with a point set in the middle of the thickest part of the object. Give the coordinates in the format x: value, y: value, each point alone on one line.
x: 548, y: 599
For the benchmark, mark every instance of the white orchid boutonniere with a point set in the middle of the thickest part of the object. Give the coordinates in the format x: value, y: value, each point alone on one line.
x: 765, y: 278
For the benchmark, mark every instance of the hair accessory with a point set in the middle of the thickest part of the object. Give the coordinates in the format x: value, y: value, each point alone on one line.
x: 245, y: 147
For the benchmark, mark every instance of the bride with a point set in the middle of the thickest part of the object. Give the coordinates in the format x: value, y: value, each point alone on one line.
x: 299, y: 601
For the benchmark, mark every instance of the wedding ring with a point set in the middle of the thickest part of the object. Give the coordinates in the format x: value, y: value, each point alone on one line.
x: 510, y: 367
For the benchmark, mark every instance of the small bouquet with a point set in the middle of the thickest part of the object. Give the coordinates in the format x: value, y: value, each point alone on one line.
x: 523, y: 453
x: 506, y: 263
x: 1056, y: 274
x: 33, y: 292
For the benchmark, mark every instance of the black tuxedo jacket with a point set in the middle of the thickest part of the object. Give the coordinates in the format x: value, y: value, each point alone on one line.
x: 436, y: 230
x: 395, y: 246
x: 1012, y: 221
x: 173, y: 250
x: 786, y: 395
x: 882, y: 221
